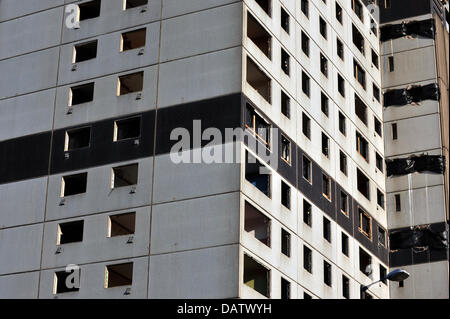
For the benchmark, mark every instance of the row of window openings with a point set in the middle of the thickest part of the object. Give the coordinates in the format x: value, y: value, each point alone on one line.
x: 92, y: 9
x: 116, y: 275
x: 263, y: 183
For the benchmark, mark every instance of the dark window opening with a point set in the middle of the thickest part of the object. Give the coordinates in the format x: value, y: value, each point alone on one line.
x: 130, y: 83
x: 391, y: 64
x: 342, y: 124
x: 380, y: 198
x: 305, y: 7
x: 285, y: 105
x: 81, y: 94
x: 358, y: 9
x: 285, y: 243
x: 285, y: 61
x: 74, y: 184
x: 358, y: 40
x: 305, y: 44
x: 307, y: 213
x: 257, y: 224
x: 340, y: 49
x: 257, y: 174
x: 121, y: 224
x: 327, y: 273
x: 379, y: 161
x: 135, y: 3
x: 365, y: 263
x: 324, y: 104
x: 344, y: 203
x: 128, y: 128
x: 306, y: 126
x: 327, y: 229
x: 362, y: 146
x: 341, y: 85
x: 365, y: 223
x: 119, y: 275
x: 394, y: 131
x: 375, y: 59
x: 307, y: 259
x: 359, y: 73
x: 61, y: 284
x: 258, y: 80
x: 259, y: 36
x: 285, y: 289
x: 401, y: 284
x: 323, y: 65
x: 256, y: 276
x: 376, y: 92
x: 345, y: 287
x: 363, y: 184
x: 89, y: 10
x: 306, y: 296
x: 323, y: 27
x: 344, y: 244
x: 373, y: 27
x: 257, y: 125
x: 398, y: 203
x: 133, y: 40
x: 325, y: 145
x: 77, y: 138
x: 125, y: 176
x: 85, y: 51
x: 285, y: 195
x: 343, y: 163
x: 338, y: 13
x: 305, y: 84
x: 361, y: 109
x: 381, y: 237
x: 383, y: 273
x: 307, y: 169
x: 265, y: 5
x: 71, y: 232
x: 284, y: 20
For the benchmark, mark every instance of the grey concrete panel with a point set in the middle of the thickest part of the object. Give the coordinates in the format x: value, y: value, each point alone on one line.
x: 19, y: 286
x: 175, y: 7
x: 10, y: 9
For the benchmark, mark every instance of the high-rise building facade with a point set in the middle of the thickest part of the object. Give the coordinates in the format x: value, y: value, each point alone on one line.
x: 106, y: 191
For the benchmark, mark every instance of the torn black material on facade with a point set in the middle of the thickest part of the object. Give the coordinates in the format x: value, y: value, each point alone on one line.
x: 413, y: 94
x: 424, y: 28
x: 420, y: 164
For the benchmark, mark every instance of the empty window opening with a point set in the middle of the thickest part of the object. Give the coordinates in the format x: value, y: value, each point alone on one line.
x: 326, y: 187
x: 305, y: 44
x: 121, y: 224
x: 365, y: 263
x: 84, y: 51
x: 285, y: 105
x: 380, y: 198
x: 344, y: 244
x: 391, y: 64
x: 358, y: 39
x: 338, y: 13
x: 285, y: 289
x: 323, y: 65
x: 71, y: 232
x: 344, y: 203
x: 78, y: 138
x: 359, y: 74
x: 258, y: 80
x: 373, y: 27
x: 376, y: 92
x: 363, y: 184
x: 377, y: 125
x: 127, y: 128
x: 124, y: 176
x: 362, y: 146
x: 323, y: 27
x: 257, y: 224
x: 401, y: 284
x: 375, y: 59
x: 358, y: 9
x: 73, y: 184
x: 256, y: 276
x: 89, y: 10
x: 365, y: 223
x: 327, y: 273
x: 265, y: 5
x: 394, y: 131
x: 381, y: 237
x: 305, y: 7
x: 307, y: 213
x: 259, y: 35
x: 327, y: 229
x: 133, y: 40
x: 257, y: 174
x: 345, y: 287
x: 343, y: 163
x: 341, y: 85
x: 324, y: 104
x: 129, y: 4
x: 307, y: 169
x: 325, y: 145
x: 340, y: 49
x: 307, y: 259
x: 307, y: 296
x: 285, y: 149
x: 383, y: 273
x: 305, y: 84
x: 398, y: 203
x: 379, y: 161
x: 285, y: 58
x: 342, y: 124
x: 306, y: 126
x: 259, y: 127
x: 285, y: 243
x: 285, y: 195
x: 360, y: 109
x: 285, y: 20
x: 81, y: 94
x: 130, y: 83
x: 60, y: 284
x: 119, y: 275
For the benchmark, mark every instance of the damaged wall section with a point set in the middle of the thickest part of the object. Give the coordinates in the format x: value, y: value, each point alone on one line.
x: 420, y: 164
x: 412, y: 94
x: 424, y: 28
